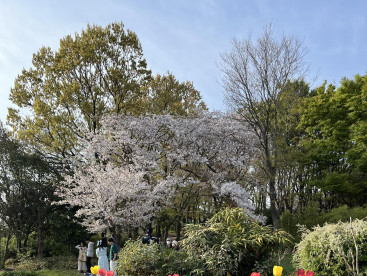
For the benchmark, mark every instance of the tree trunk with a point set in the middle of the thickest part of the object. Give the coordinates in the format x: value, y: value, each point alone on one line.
x: 19, y: 243
x: 40, y: 241
x: 178, y: 228
x: 272, y: 170
x: 118, y: 236
x: 40, y: 234
x: 158, y: 230
x: 136, y: 232
x: 6, y: 250
x: 273, y: 207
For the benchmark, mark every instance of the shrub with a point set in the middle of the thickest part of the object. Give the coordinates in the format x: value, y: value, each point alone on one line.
x: 312, y: 216
x: 137, y: 259
x: 18, y: 274
x: 60, y: 262
x: 232, y: 242
x: 327, y: 250
x: 344, y: 213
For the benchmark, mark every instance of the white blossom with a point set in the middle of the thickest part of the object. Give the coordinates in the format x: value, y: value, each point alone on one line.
x: 130, y: 167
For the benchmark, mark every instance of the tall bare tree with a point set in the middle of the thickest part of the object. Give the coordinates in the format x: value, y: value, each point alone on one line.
x: 255, y: 73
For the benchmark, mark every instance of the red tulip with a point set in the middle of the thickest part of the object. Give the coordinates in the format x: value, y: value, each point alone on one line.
x: 310, y: 273
x: 301, y: 272
x: 102, y: 272
x: 110, y: 273
x: 255, y: 274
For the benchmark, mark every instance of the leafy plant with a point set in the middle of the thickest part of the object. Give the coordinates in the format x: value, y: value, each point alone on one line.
x: 330, y: 249
x: 60, y: 262
x: 232, y: 242
x: 17, y: 273
x: 137, y: 259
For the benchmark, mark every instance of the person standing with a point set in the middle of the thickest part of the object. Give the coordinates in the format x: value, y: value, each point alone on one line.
x: 90, y: 253
x: 113, y: 255
x: 168, y: 243
x: 101, y: 253
x: 175, y: 245
x: 82, y: 258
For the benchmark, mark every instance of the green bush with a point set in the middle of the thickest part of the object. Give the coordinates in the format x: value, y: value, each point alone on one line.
x: 59, y: 262
x: 137, y: 259
x: 329, y: 249
x: 232, y: 242
x: 229, y: 242
x: 312, y: 216
x: 15, y: 273
x: 344, y: 213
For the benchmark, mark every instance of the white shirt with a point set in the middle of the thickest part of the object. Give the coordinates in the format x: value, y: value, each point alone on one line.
x: 90, y: 249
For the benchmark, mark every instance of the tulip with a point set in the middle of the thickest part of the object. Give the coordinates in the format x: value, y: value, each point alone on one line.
x: 102, y: 272
x: 255, y: 274
x: 277, y: 270
x: 94, y: 269
x: 110, y: 273
x: 301, y: 272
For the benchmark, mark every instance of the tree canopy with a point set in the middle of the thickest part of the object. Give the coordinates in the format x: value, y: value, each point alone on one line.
x: 334, y: 120
x: 65, y: 93
x: 145, y: 164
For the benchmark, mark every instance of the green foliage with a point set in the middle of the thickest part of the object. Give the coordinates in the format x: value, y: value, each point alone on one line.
x: 168, y: 96
x: 232, y: 242
x: 137, y: 259
x: 58, y: 273
x: 285, y: 261
x: 66, y: 92
x: 18, y: 273
x: 335, y: 140
x: 312, y: 216
x: 344, y: 213
x: 101, y: 70
x: 60, y: 262
x: 27, y: 192
x: 327, y: 249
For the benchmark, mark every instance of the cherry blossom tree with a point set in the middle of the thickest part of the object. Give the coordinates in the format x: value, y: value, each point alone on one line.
x: 133, y: 165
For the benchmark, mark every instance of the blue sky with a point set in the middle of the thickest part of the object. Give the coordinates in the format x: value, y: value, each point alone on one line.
x: 186, y: 37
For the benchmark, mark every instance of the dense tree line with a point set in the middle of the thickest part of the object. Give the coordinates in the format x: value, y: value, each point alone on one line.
x: 27, y: 210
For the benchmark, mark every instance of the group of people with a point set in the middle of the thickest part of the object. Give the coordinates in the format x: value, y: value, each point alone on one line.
x: 108, y: 261
x: 149, y: 239
x: 86, y: 254
x: 171, y: 244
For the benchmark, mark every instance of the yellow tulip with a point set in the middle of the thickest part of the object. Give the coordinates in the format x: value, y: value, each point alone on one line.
x: 94, y: 269
x: 277, y: 270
